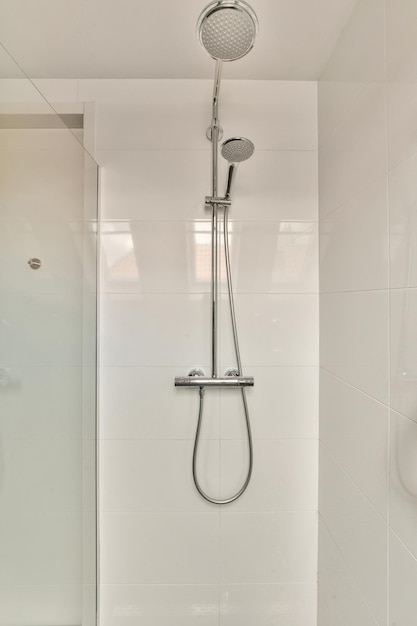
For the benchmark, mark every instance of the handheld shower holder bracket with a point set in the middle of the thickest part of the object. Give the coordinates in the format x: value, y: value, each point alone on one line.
x: 209, y: 132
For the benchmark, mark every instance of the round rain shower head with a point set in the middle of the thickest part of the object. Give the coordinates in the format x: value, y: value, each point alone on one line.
x: 237, y: 149
x: 227, y: 29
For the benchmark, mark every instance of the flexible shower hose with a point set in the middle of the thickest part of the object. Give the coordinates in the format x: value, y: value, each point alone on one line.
x: 201, y: 389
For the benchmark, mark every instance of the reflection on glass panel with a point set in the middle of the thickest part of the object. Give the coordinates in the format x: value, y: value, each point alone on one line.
x: 119, y: 252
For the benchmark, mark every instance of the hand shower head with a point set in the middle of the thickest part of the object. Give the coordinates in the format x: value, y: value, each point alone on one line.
x: 235, y: 150
x: 227, y: 29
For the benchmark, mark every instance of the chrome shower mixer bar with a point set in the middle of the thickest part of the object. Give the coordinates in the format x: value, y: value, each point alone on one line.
x: 227, y: 30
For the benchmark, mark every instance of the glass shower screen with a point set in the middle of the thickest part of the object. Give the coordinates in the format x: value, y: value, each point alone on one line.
x: 48, y: 217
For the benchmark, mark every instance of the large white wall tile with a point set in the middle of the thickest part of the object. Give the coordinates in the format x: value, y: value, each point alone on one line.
x: 340, y: 600
x: 284, y: 475
x: 403, y: 224
x: 142, y: 403
x: 163, y: 476
x: 403, y: 582
x: 172, y: 184
x: 155, y: 329
x: 334, y: 97
x: 159, y: 548
x: 358, y: 530
x: 403, y: 480
x: 268, y: 547
x: 354, y: 338
x: 264, y: 605
x: 154, y: 184
x: 156, y: 257
x: 175, y: 257
x: 275, y: 185
x: 354, y: 428
x: 286, y: 257
x: 402, y: 128
x: 274, y: 330
x: 402, y: 81
x: 403, y: 308
x: 157, y: 605
x: 354, y: 154
x: 354, y: 242
x: 277, y: 409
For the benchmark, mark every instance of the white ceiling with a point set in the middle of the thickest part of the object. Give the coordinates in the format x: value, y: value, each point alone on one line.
x: 156, y: 38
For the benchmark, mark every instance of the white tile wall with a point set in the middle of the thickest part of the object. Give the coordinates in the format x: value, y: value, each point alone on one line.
x: 291, y: 486
x: 283, y: 183
x: 268, y: 547
x: 403, y: 480
x: 157, y: 605
x: 402, y: 202
x: 355, y: 152
x: 403, y: 304
x: 159, y: 548
x: 403, y: 579
x: 155, y: 329
x: 402, y: 88
x: 120, y: 417
x: 267, y: 604
x: 359, y: 353
x: 277, y: 410
x: 276, y: 330
x: 340, y: 599
x: 166, y: 551
x: 358, y: 530
x: 347, y: 260
x: 345, y: 412
x: 162, y: 471
x: 367, y: 139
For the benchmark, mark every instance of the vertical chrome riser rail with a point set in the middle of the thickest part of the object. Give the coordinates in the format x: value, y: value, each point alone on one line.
x: 237, y: 25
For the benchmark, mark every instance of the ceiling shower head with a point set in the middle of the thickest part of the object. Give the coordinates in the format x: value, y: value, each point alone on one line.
x: 227, y: 29
x: 237, y: 149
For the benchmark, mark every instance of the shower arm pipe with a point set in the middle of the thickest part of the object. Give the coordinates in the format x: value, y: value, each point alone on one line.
x: 215, y: 131
x: 216, y: 94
